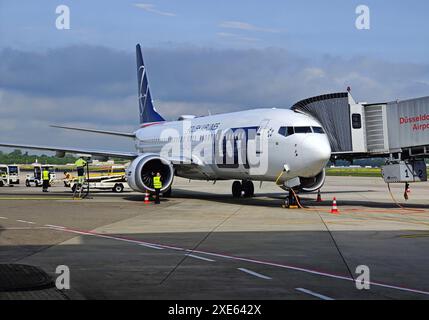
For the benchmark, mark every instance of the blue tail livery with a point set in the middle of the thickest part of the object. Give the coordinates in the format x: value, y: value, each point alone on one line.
x: 147, y: 110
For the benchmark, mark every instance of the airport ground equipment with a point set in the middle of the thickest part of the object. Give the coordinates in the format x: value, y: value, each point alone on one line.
x: 9, y: 175
x: 397, y: 131
x: 405, y: 171
x: 36, y: 178
x: 334, y: 209
x: 106, y: 178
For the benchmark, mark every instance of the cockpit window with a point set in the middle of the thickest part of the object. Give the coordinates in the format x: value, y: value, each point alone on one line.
x: 286, y: 131
x: 303, y: 130
x: 318, y: 130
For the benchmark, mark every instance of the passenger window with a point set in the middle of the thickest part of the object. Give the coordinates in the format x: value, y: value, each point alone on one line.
x: 318, y: 130
x: 303, y: 130
x: 356, y: 121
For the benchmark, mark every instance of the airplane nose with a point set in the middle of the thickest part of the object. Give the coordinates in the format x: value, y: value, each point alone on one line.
x: 315, y: 152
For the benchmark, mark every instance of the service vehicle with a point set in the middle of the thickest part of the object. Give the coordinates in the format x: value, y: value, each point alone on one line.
x: 36, y: 178
x: 9, y: 175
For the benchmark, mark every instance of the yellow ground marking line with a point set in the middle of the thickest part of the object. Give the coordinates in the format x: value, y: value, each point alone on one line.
x: 38, y: 198
x: 354, y: 222
x: 402, y: 221
x: 422, y: 235
x: 370, y: 216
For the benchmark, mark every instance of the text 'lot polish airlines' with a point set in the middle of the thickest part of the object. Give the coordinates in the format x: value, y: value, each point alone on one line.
x: 276, y: 145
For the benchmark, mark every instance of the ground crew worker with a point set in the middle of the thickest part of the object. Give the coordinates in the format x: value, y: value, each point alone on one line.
x: 407, y: 189
x: 67, y: 179
x: 80, y: 167
x: 157, y: 185
x: 45, y: 179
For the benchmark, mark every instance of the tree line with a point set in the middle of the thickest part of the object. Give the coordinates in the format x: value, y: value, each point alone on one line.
x: 18, y: 157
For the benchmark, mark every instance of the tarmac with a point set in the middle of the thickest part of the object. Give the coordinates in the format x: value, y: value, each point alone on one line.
x: 203, y: 244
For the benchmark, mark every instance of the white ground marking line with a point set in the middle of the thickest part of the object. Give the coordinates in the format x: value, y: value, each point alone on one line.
x: 318, y: 295
x: 54, y: 226
x: 3, y: 218
x: 261, y: 262
x: 253, y: 273
x: 24, y: 221
x: 201, y: 258
x: 150, y: 246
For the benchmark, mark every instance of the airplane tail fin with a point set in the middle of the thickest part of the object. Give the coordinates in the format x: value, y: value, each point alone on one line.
x: 147, y: 110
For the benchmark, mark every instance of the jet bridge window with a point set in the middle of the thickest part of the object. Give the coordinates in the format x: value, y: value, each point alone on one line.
x: 356, y: 121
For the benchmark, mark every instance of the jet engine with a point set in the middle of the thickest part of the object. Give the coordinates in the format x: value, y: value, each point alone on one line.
x: 313, y: 183
x: 141, y: 171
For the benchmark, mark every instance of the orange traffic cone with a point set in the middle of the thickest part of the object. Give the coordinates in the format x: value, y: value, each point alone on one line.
x: 319, y: 197
x: 334, y: 209
x: 146, y: 197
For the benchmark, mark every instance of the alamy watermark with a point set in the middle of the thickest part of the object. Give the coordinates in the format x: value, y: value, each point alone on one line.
x: 62, y: 22
x: 62, y: 282
x: 363, y: 281
x: 244, y: 147
x: 363, y: 20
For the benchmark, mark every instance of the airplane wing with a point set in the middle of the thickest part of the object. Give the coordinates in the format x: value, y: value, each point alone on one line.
x: 103, y: 153
x: 113, y: 133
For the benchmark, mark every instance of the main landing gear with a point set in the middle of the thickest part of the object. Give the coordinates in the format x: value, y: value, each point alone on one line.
x: 244, y: 188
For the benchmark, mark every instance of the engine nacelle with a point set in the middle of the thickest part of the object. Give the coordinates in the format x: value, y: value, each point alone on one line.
x: 141, y: 170
x: 313, y: 183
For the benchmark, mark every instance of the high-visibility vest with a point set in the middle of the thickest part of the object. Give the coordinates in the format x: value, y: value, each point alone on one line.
x: 80, y: 162
x: 157, y: 184
x: 45, y: 175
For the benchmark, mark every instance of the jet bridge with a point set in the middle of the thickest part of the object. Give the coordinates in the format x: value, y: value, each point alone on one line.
x: 397, y: 130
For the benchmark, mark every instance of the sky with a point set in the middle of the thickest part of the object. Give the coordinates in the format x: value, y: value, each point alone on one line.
x: 202, y: 57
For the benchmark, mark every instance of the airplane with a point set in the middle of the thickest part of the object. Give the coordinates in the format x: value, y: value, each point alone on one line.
x: 276, y: 145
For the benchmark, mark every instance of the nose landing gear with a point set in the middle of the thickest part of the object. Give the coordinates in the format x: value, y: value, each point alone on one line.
x: 291, y: 201
x: 244, y: 188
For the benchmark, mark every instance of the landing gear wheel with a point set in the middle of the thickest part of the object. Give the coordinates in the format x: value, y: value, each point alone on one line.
x: 1, y: 183
x: 167, y: 193
x: 248, y: 188
x: 236, y: 189
x: 118, y: 188
x: 287, y: 202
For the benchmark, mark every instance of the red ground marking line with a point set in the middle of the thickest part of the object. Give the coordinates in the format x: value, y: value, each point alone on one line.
x: 290, y: 267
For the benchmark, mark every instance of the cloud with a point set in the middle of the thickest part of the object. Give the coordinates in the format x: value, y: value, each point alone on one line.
x: 235, y: 37
x: 245, y: 26
x: 152, y: 9
x: 70, y: 71
x: 97, y: 87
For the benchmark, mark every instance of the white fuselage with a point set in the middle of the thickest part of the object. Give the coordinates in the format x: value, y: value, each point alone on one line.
x: 303, y: 153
